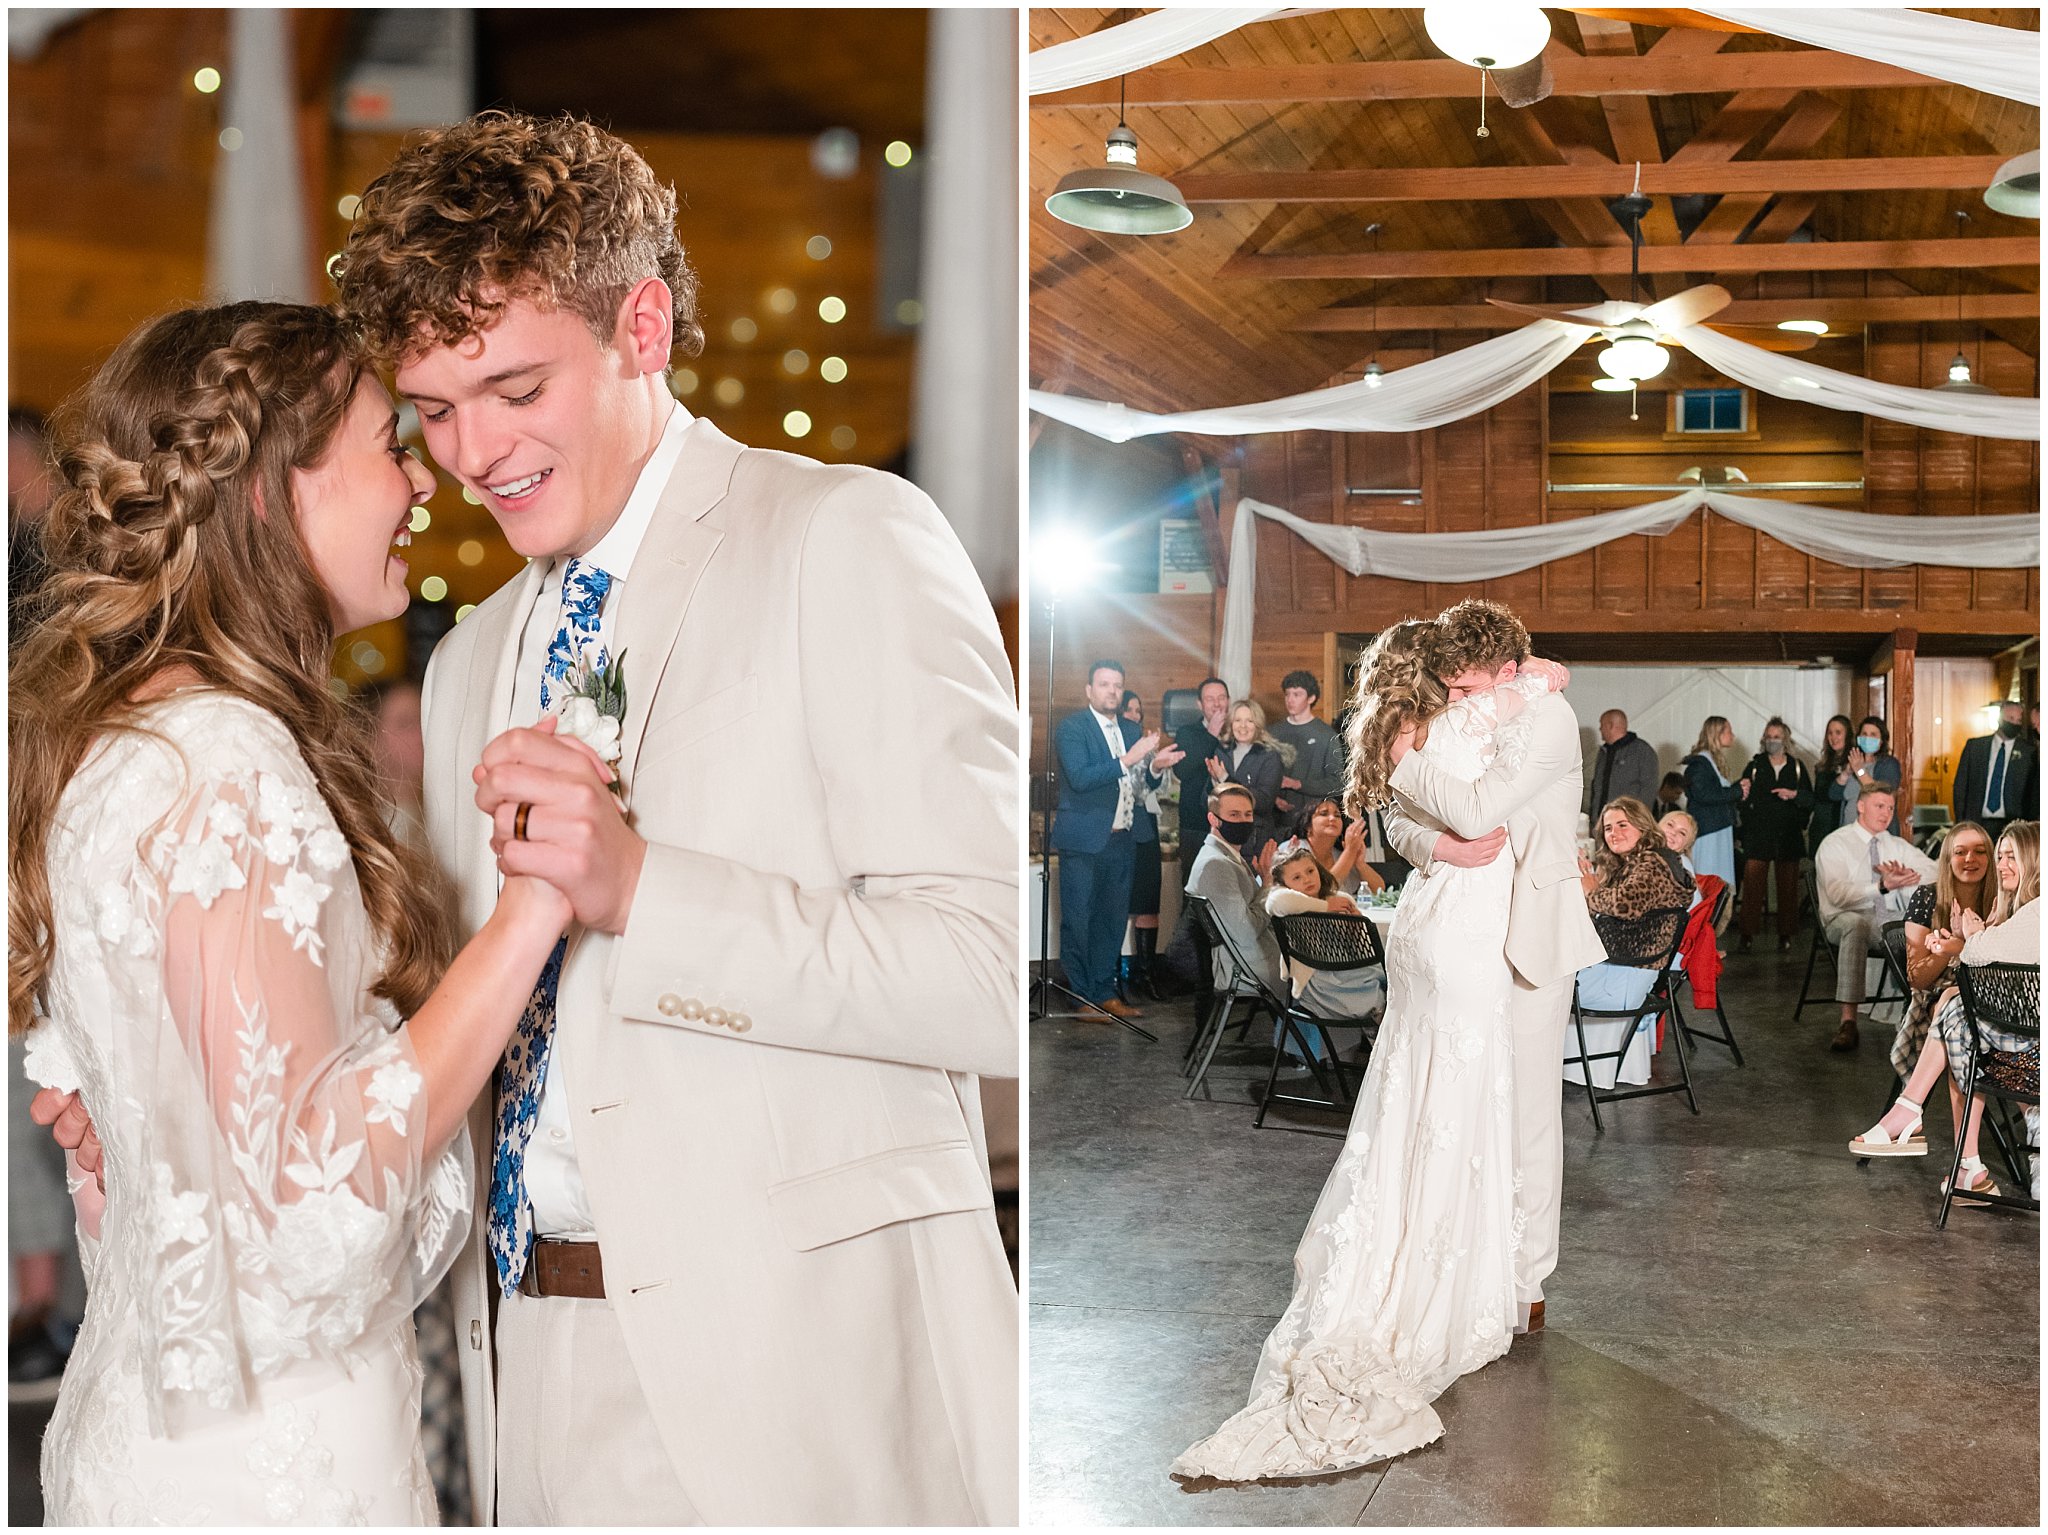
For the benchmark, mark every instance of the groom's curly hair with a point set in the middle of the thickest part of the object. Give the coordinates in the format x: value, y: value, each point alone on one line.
x: 1472, y: 633
x: 505, y: 206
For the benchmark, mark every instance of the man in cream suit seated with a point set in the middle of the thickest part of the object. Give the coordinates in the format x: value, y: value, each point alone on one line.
x: 1534, y: 795
x: 734, y: 1260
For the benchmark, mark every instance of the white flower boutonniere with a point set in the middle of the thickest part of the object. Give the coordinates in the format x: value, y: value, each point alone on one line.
x: 595, y: 709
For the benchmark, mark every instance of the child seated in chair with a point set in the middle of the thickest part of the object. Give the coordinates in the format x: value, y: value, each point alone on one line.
x: 1302, y: 883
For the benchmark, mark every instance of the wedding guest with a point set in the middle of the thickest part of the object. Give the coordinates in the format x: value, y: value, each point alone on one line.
x: 1961, y: 884
x: 1339, y: 846
x: 1137, y: 971
x: 1317, y: 771
x: 2011, y: 935
x: 1670, y: 795
x: 1253, y: 758
x: 1990, y: 773
x: 1231, y: 885
x: 1679, y: 832
x: 1864, y: 875
x: 1626, y: 766
x: 1302, y: 882
x: 1711, y: 798
x: 1638, y: 892
x: 1777, y: 803
x: 1872, y: 766
x: 1200, y: 743
x: 1104, y: 761
x: 1833, y: 784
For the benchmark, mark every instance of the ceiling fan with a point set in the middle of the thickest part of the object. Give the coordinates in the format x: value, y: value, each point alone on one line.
x: 1648, y: 326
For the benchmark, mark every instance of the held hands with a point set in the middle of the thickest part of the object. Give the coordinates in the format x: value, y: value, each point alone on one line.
x: 71, y: 1128
x: 577, y: 839
x: 1473, y: 853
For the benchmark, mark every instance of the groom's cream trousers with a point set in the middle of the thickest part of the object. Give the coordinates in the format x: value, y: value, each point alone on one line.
x: 1537, y: 1016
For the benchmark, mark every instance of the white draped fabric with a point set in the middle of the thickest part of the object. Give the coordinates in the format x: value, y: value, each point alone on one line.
x: 2001, y: 61
x: 1133, y: 45
x: 256, y: 240
x: 1412, y: 399
x: 1464, y: 383
x: 1863, y: 540
x: 1788, y: 376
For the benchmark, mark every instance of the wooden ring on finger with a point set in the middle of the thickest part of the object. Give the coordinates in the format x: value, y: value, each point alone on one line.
x: 519, y: 821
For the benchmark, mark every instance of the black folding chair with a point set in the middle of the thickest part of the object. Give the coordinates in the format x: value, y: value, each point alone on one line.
x: 1657, y: 1002
x: 1245, y: 986
x: 2006, y: 998
x: 1825, y: 946
x: 1337, y: 943
x: 1727, y: 1034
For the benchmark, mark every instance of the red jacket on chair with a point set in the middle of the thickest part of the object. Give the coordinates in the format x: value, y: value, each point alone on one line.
x: 1698, y: 950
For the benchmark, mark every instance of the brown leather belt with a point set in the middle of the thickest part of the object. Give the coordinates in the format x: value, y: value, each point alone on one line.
x: 559, y: 1268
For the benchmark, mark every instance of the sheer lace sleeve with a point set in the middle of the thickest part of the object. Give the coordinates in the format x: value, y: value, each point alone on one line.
x: 289, y: 1207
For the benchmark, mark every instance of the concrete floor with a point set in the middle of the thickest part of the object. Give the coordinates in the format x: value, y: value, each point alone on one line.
x: 1744, y: 1328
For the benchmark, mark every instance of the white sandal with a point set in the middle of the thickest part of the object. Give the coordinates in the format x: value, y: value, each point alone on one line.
x: 1972, y: 1169
x: 1874, y: 1142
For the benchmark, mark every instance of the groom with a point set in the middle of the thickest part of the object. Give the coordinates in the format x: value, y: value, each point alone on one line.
x: 1535, y: 794
x: 733, y: 1260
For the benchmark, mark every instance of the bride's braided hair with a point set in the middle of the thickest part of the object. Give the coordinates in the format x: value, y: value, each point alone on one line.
x: 1395, y: 689
x: 172, y: 544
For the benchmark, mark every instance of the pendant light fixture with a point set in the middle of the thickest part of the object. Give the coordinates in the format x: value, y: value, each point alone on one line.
x: 1374, y: 373
x: 1487, y: 37
x: 1118, y: 198
x: 2016, y: 189
x: 1959, y: 380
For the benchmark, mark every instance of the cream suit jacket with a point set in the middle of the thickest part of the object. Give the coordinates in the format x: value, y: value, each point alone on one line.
x: 1550, y: 936
x: 772, y: 1071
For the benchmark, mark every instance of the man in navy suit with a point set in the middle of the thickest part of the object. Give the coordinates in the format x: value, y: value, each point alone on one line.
x: 1991, y: 774
x: 1104, y: 764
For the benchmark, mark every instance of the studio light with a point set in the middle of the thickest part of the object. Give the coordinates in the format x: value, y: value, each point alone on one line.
x: 1488, y: 36
x: 1065, y: 561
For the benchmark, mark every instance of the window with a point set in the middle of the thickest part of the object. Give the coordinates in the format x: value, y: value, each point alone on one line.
x: 1713, y: 410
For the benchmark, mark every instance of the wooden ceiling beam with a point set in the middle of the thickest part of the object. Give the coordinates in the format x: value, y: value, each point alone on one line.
x: 1514, y: 183
x: 1652, y: 74
x: 1815, y: 256
x: 1806, y: 127
x: 1842, y: 313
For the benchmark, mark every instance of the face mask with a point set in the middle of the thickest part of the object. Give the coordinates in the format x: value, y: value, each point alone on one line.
x: 1774, y: 748
x: 1869, y: 744
x: 2008, y: 728
x: 1236, y: 833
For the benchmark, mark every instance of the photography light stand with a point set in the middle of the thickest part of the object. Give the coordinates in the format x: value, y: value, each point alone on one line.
x: 1043, y: 984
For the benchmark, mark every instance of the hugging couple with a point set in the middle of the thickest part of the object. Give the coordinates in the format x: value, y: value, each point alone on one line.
x: 680, y: 1088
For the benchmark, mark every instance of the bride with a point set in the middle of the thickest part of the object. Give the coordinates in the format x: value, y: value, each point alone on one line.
x: 232, y: 961
x: 1404, y: 1279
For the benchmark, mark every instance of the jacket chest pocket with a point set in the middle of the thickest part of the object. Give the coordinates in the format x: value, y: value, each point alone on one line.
x: 707, y: 716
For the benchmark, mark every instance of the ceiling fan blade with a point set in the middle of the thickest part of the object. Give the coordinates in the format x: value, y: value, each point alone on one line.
x: 1767, y: 338
x: 1525, y: 84
x: 1563, y: 312
x: 1689, y: 307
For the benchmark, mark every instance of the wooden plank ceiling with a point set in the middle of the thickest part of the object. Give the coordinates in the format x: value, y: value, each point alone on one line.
x: 1785, y: 173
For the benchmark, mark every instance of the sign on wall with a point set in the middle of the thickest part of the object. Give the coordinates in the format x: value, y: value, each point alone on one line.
x: 1183, y: 557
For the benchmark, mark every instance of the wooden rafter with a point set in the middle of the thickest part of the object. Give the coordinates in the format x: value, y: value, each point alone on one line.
x: 1516, y: 183
x: 1816, y: 256
x: 1724, y: 223
x: 1841, y: 313
x: 1652, y: 74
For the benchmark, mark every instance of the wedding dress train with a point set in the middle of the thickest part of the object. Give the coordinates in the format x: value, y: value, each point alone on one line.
x: 1404, y: 1279
x: 271, y: 1217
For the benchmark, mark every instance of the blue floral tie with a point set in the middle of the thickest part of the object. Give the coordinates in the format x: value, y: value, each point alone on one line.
x: 524, y: 1067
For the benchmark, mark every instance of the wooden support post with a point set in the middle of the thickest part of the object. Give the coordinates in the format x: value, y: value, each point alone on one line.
x: 1900, y: 698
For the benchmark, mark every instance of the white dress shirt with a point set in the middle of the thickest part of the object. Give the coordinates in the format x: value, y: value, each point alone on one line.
x: 1842, y: 871
x: 554, y: 1183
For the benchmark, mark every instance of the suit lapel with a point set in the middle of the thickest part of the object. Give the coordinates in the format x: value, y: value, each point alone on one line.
x: 664, y: 576
x: 486, y: 711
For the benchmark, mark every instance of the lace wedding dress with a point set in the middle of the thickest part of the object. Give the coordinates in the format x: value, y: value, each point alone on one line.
x: 272, y: 1215
x: 1404, y: 1279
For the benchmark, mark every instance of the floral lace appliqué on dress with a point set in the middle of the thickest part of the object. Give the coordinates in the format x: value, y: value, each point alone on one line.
x: 272, y: 1215
x: 1404, y: 1279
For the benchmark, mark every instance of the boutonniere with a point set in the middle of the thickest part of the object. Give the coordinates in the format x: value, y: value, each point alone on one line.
x: 595, y: 709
